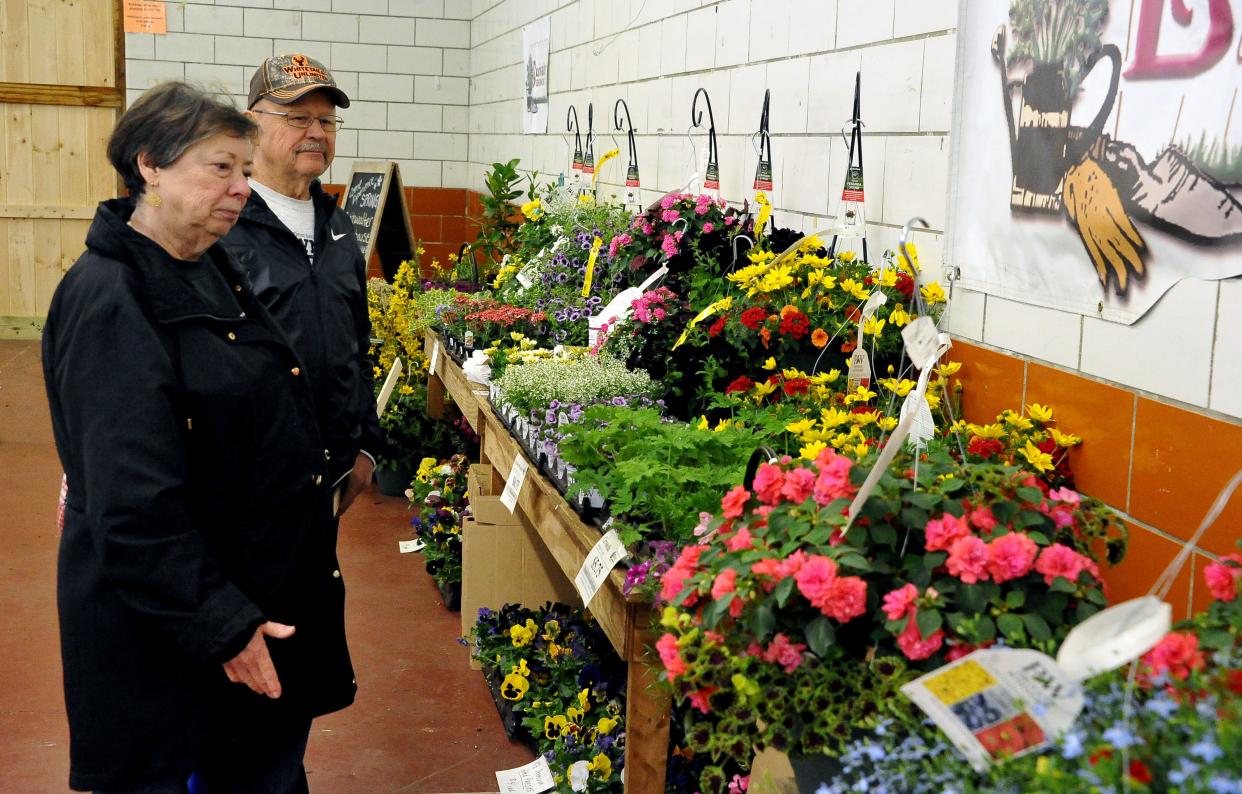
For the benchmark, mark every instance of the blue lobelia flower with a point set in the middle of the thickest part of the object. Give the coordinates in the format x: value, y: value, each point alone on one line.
x: 1207, y: 750
x: 1121, y: 737
x: 1071, y: 745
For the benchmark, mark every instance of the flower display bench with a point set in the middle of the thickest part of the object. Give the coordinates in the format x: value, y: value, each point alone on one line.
x: 626, y: 622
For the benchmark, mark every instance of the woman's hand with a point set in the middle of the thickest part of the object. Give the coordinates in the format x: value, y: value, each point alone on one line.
x: 253, y: 666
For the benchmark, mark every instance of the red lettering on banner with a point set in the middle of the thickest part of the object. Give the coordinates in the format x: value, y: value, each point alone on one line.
x: 1147, y: 64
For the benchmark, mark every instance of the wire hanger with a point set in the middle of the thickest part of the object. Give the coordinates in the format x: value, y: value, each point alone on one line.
x: 571, y: 125
x: 711, y: 179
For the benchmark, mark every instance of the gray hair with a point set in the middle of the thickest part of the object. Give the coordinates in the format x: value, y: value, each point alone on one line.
x: 164, y: 122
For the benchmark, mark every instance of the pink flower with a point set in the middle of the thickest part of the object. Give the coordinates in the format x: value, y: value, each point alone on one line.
x: 1222, y: 578
x: 784, y: 653
x: 670, y: 655
x: 833, y: 481
x: 734, y: 502
x: 914, y: 645
x: 674, y: 578
x: 753, y: 649
x: 714, y: 636
x: 941, y: 532
x: 698, y: 699
x: 771, y: 568
x: 701, y: 209
x: 1176, y: 655
x: 845, y: 599
x: 792, y: 564
x: 708, y: 227
x: 900, y: 602
x: 799, y: 483
x: 739, y: 784
x: 726, y: 582
x: 968, y: 559
x: 1011, y: 556
x: 700, y: 529
x: 1058, y: 560
x: 740, y: 540
x: 1067, y: 495
x: 1062, y: 515
x: 982, y: 519
x: 669, y: 245
x: 648, y: 229
x: 769, y: 481
x: 814, y: 577
x: 729, y: 221
x: 668, y: 201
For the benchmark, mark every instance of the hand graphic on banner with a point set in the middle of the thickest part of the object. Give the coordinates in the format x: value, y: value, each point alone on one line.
x: 1094, y: 206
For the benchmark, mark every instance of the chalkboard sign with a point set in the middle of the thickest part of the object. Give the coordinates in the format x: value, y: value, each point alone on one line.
x: 375, y: 204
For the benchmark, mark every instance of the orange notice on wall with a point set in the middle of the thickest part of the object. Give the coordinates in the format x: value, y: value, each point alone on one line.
x: 145, y: 16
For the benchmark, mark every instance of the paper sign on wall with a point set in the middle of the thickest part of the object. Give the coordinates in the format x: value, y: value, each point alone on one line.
x: 606, y: 553
x: 530, y: 779
x: 513, y: 485
x: 145, y: 16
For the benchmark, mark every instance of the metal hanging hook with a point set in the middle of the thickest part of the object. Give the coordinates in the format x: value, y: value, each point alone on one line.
x: 848, y: 125
x: 571, y: 125
x: 735, y: 241
x: 905, y: 235
x: 696, y: 120
x: 629, y: 129
x: 590, y: 137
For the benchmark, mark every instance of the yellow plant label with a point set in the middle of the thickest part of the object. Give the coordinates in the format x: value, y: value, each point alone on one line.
x: 957, y: 684
x: 600, y: 165
x: 590, y: 272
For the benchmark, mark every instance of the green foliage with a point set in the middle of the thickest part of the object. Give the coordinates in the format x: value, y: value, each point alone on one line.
x: 497, y: 225
x: 1064, y: 33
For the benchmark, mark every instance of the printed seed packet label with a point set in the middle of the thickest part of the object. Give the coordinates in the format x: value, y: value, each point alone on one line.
x: 407, y: 546
x: 853, y: 184
x: 588, y: 163
x: 595, y: 568
x: 435, y: 357
x: 711, y: 179
x: 631, y: 178
x: 513, y: 485
x: 922, y: 340
x: 999, y: 703
x: 390, y: 383
x: 763, y: 175
x: 530, y: 779
x: 860, y: 370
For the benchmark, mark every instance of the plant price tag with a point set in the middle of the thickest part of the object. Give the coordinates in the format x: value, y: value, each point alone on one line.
x: 530, y: 779
x: 407, y: 546
x: 860, y: 370
x: 513, y: 485
x: 999, y: 703
x: 390, y: 383
x: 922, y: 340
x: 924, y: 427
x: 435, y: 357
x: 608, y: 551
x: 524, y: 278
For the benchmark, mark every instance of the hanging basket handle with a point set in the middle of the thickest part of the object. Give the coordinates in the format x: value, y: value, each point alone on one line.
x: 760, y: 455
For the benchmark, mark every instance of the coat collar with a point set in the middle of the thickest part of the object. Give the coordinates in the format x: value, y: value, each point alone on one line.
x: 171, y: 294
x: 257, y: 211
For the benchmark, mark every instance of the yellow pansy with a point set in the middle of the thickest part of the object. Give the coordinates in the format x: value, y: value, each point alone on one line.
x: 584, y: 699
x: 522, y: 635
x: 521, y: 668
x: 1042, y: 461
x: 554, y: 726
x: 514, y: 687
x: 572, y: 714
x: 1040, y: 413
x: 1064, y: 439
x: 933, y: 293
x: 606, y: 725
x: 601, y: 765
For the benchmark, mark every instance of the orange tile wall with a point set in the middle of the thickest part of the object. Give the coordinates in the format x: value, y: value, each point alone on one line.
x: 1159, y: 465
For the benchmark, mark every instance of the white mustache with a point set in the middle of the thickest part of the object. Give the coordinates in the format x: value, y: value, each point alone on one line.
x: 311, y: 147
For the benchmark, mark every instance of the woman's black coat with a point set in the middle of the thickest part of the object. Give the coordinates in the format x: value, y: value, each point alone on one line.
x: 198, y: 508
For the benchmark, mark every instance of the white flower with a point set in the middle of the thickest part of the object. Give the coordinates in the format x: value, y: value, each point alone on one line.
x: 579, y: 773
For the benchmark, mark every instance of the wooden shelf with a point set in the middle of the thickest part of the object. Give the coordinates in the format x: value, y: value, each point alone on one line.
x: 626, y: 622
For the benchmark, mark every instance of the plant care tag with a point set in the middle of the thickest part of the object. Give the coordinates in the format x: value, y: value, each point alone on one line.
x: 590, y: 266
x: 530, y: 779
x: 860, y: 370
x: 524, y: 277
x: 923, y: 428
x: 922, y: 340
x: 435, y: 357
x: 390, y: 383
x: 999, y: 703
x: 513, y: 485
x: 407, y: 546
x: 608, y: 551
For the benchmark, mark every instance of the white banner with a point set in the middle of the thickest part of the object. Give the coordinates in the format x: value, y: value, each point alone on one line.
x: 535, y: 37
x: 1093, y: 184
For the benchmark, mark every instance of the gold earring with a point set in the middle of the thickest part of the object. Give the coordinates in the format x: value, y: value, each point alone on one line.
x: 152, y: 198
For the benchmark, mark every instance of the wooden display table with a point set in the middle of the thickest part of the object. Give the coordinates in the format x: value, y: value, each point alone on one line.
x: 626, y: 622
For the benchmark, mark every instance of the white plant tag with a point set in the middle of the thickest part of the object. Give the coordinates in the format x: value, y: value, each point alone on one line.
x: 860, y: 370
x: 530, y: 779
x: 435, y: 357
x: 923, y: 429
x: 390, y: 383
x: 922, y: 340
x: 513, y: 485
x: 524, y: 278
x: 607, y: 552
x: 407, y: 546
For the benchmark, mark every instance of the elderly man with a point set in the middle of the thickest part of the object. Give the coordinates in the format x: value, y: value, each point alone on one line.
x: 303, y: 259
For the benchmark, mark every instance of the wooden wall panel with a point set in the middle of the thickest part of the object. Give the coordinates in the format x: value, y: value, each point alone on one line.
x: 20, y: 172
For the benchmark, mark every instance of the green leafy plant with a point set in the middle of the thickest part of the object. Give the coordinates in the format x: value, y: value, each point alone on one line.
x: 1063, y: 33
x: 498, y: 224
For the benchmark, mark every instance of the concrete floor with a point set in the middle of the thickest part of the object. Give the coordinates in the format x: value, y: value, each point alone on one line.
x: 423, y: 721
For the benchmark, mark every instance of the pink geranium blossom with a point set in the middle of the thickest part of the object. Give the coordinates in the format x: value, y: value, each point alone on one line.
x: 1222, y: 578
x: 740, y: 540
x: 1067, y: 495
x: 982, y: 519
x: 1011, y: 556
x: 675, y: 577
x: 784, y: 653
x: 814, y: 577
x: 769, y: 481
x: 914, y: 645
x: 845, y: 599
x: 900, y: 602
x: 941, y: 532
x: 1058, y: 560
x: 799, y: 483
x: 793, y: 563
x: 1176, y: 656
x: 833, y: 481
x: 968, y: 559
x: 670, y: 656
x: 734, y: 502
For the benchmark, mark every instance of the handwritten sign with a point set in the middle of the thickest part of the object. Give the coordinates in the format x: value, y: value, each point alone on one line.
x: 530, y: 779
x: 375, y: 204
x: 606, y: 553
x: 513, y: 485
x: 407, y: 546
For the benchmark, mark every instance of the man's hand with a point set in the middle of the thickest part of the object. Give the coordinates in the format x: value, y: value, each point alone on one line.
x: 253, y: 666
x: 359, y: 481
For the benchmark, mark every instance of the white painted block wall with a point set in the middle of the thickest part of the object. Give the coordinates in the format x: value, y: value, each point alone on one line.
x: 404, y: 63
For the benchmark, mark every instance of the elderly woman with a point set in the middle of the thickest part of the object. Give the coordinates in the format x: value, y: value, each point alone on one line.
x: 201, y: 604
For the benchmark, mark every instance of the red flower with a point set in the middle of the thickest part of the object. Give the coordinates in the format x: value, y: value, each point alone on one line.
x: 717, y: 326
x: 753, y: 318
x: 848, y: 346
x: 984, y: 447
x: 1176, y: 655
x: 1139, y: 771
x: 796, y: 386
x: 905, y: 284
x: 1233, y: 680
x: 794, y: 323
x: 741, y: 384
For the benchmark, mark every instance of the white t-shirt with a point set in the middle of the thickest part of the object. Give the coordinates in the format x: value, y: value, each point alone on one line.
x: 298, y: 216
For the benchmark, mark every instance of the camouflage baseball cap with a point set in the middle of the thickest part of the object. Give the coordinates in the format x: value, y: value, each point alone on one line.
x: 287, y: 78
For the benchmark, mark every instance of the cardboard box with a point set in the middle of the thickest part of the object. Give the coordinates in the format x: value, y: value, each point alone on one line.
x: 504, y: 561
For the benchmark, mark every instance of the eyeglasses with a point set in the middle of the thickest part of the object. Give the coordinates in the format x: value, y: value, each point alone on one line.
x: 304, y: 120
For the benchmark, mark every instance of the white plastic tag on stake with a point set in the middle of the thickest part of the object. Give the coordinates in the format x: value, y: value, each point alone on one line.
x: 530, y: 779
x: 524, y: 278
x: 606, y: 553
x: 407, y: 546
x: 860, y: 370
x: 390, y: 383
x: 923, y: 428
x: 513, y: 485
x: 922, y: 339
x: 435, y: 357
